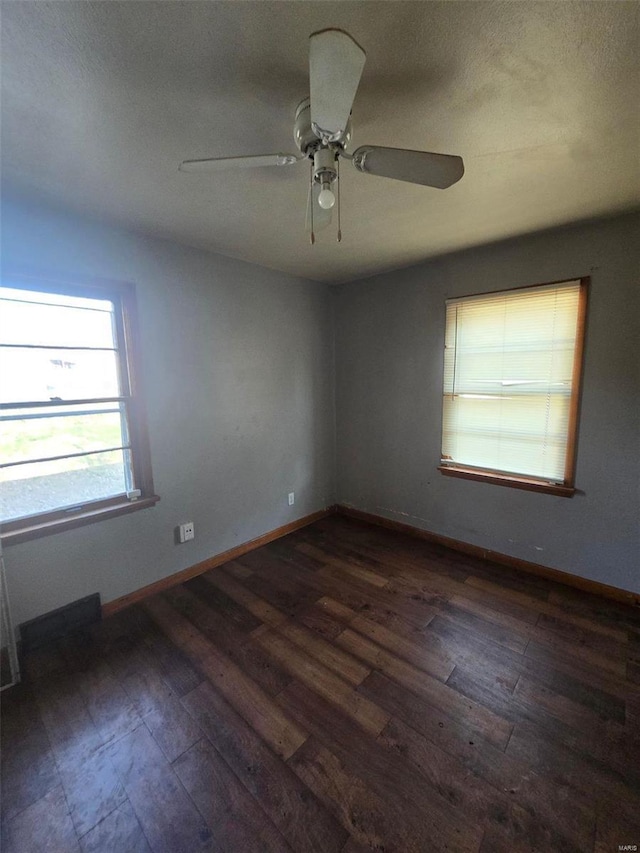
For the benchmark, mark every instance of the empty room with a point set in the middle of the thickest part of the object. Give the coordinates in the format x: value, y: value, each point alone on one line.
x: 320, y: 409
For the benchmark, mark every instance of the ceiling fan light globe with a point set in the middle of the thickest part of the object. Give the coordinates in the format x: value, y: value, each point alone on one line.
x: 326, y: 199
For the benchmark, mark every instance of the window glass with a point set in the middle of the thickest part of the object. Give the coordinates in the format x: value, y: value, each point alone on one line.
x: 47, y: 319
x: 35, y: 374
x: 41, y: 487
x: 64, y: 416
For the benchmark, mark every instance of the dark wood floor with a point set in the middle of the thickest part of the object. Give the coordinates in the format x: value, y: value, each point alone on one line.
x: 345, y: 689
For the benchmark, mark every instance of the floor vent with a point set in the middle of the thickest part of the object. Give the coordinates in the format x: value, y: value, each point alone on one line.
x: 55, y: 624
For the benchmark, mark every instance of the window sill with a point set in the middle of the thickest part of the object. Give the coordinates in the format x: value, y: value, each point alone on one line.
x: 59, y: 525
x: 511, y: 480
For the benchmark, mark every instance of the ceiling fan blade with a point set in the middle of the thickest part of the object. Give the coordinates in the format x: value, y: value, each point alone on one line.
x: 321, y: 217
x: 416, y: 167
x: 335, y: 68
x: 216, y: 164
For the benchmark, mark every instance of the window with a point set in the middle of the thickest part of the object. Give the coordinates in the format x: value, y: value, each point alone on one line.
x: 512, y: 368
x: 73, y: 442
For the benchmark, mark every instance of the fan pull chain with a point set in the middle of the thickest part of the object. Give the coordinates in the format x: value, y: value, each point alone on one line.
x: 312, y: 236
x: 338, y: 199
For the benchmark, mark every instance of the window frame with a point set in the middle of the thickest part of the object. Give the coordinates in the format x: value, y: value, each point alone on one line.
x: 500, y: 478
x: 123, y: 296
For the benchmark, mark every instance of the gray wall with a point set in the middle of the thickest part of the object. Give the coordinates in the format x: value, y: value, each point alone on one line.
x: 238, y: 370
x: 239, y: 376
x: 389, y: 344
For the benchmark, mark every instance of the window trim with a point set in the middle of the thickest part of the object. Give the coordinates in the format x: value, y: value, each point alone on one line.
x: 502, y: 478
x: 130, y: 368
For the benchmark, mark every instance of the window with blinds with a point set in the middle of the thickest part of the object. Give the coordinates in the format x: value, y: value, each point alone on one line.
x: 511, y: 382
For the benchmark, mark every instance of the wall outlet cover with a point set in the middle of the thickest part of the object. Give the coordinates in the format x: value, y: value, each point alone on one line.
x: 186, y: 531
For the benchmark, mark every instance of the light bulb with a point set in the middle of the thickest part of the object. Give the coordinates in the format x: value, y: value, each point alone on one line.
x: 326, y: 199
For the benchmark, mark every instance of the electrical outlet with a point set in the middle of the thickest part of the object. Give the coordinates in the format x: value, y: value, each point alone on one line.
x: 292, y: 498
x: 187, y: 531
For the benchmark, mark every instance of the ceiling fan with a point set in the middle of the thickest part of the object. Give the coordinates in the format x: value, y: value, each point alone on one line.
x: 322, y: 131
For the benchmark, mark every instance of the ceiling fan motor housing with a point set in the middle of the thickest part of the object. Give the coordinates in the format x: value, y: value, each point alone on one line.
x: 306, y: 140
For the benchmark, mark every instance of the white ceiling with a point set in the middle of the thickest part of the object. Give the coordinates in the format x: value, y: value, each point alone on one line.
x: 101, y: 101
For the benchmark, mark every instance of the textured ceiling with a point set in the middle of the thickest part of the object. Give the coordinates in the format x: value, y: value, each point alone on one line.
x: 101, y: 101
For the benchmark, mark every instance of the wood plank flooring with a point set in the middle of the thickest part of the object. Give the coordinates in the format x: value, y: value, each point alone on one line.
x: 346, y: 688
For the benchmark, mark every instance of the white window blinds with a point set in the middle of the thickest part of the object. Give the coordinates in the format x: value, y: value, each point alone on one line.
x: 509, y: 380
